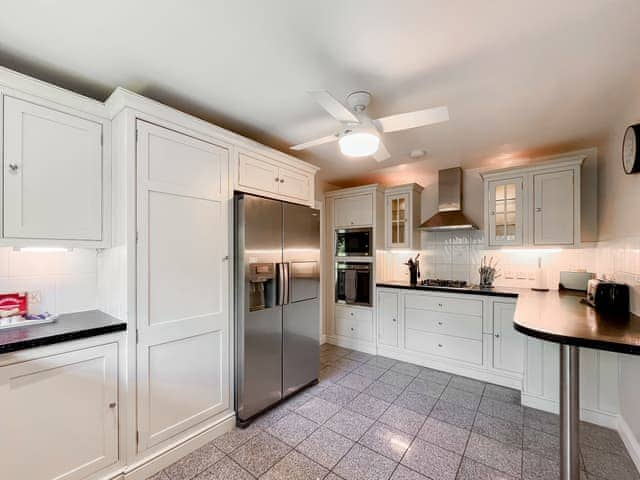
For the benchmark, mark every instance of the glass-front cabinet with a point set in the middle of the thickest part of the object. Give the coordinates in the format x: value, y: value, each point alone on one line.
x: 506, y: 212
x: 398, y: 222
x: 402, y: 216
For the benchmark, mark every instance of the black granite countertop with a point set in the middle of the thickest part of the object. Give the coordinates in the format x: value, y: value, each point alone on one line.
x: 474, y: 290
x: 70, y: 326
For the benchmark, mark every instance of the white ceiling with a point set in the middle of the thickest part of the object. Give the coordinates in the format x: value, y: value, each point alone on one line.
x: 521, y: 79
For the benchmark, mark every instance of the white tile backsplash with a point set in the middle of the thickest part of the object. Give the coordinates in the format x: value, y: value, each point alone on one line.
x: 63, y: 282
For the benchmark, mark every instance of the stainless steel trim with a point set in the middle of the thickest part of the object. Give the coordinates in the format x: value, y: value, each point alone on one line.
x: 569, y: 412
x: 285, y: 276
x: 368, y: 253
x: 280, y: 284
x: 354, y: 266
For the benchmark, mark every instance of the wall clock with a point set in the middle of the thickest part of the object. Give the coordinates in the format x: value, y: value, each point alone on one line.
x: 630, y: 150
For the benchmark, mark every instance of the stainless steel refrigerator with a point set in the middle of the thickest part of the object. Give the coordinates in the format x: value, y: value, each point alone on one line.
x: 277, y: 318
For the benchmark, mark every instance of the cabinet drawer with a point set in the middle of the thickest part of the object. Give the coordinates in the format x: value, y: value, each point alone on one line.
x: 354, y: 322
x: 447, y: 346
x: 461, y: 306
x: 465, y: 326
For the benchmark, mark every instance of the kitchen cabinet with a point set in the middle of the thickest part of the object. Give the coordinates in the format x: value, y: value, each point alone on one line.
x: 56, y: 175
x: 60, y: 414
x: 267, y: 176
x: 387, y: 309
x: 508, y: 344
x: 402, y: 216
x: 182, y: 282
x: 353, y: 211
x: 534, y: 206
x: 553, y: 208
x: 354, y: 322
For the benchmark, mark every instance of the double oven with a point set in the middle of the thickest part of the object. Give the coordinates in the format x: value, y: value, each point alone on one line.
x: 354, y: 279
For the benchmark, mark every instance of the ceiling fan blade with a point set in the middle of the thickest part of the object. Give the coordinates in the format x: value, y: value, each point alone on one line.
x: 419, y: 118
x: 313, y: 143
x: 382, y: 154
x: 333, y: 106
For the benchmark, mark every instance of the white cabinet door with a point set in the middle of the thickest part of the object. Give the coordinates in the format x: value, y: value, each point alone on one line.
x: 388, y: 319
x: 59, y: 415
x: 508, y: 344
x: 294, y: 184
x: 256, y: 173
x: 183, y: 290
x: 554, y: 208
x: 398, y: 226
x: 354, y: 211
x: 53, y: 174
x: 506, y: 212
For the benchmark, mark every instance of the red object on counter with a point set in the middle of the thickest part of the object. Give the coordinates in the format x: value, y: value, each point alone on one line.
x: 13, y: 301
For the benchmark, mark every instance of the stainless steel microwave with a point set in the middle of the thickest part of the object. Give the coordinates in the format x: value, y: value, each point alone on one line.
x: 354, y: 242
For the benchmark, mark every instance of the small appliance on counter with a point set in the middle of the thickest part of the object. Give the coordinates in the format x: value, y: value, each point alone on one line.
x: 14, y: 312
x: 608, y: 296
x: 540, y: 278
x: 575, y: 280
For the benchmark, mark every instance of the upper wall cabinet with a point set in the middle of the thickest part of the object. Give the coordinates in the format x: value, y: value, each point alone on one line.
x: 291, y: 180
x: 56, y: 175
x: 354, y: 211
x: 402, y: 216
x: 535, y: 206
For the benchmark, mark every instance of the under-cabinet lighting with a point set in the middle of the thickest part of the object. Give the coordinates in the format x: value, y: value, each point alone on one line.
x: 42, y: 249
x: 531, y: 250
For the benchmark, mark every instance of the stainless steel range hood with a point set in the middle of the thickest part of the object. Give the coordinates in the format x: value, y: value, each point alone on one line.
x: 449, y: 216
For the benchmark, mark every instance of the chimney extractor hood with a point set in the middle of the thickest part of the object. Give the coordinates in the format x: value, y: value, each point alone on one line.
x: 449, y: 216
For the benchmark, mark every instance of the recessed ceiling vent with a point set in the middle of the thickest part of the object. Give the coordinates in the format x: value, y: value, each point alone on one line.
x: 449, y: 216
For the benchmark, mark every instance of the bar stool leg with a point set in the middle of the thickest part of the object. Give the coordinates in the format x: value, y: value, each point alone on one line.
x: 569, y: 412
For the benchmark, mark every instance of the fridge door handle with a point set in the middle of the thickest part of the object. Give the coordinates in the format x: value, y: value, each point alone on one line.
x: 280, y: 283
x: 285, y: 267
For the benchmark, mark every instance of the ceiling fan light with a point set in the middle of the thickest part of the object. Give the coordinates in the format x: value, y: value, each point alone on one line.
x: 359, y: 144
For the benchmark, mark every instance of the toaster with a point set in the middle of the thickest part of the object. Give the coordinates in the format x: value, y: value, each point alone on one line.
x: 608, y: 296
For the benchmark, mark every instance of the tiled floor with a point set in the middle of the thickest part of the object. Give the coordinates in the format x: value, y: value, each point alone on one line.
x: 373, y: 418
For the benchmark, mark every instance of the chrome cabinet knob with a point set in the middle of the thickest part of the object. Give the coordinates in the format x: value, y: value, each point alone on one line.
x: 277, y: 179
x: 439, y: 323
x: 538, y: 209
x: 13, y: 167
x: 113, y: 405
x: 282, y: 180
x: 439, y: 345
x: 393, y: 319
x: 497, y: 335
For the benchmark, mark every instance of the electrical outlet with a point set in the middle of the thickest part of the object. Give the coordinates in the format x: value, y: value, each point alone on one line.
x: 35, y: 297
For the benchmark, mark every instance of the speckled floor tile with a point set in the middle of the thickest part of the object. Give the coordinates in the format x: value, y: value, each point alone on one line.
x: 406, y: 368
x: 338, y: 394
x: 403, y: 419
x: 435, y: 376
x: 602, y: 438
x: 543, y: 421
x: 158, y: 476
x: 194, y: 463
x: 292, y: 429
x: 349, y: 424
x: 236, y: 437
x: 355, y: 382
x: 362, y: 463
x: 382, y: 362
x: 368, y: 406
x: 467, y: 384
x: 608, y: 465
x: 453, y: 414
x: 359, y: 356
x: 498, y: 429
x: 416, y: 402
x: 426, y: 387
x: 444, y: 435
x: 318, y: 410
x: 370, y: 371
x: 396, y: 378
x: 404, y: 473
x: 383, y: 391
x: 503, y: 457
x: 260, y: 453
x: 387, y: 441
x: 325, y: 447
x: 332, y: 374
x: 507, y: 411
x: 297, y: 400
x: 295, y: 466
x: 472, y: 470
x: 542, y: 444
x: 332, y: 476
x: 504, y: 394
x: 431, y: 460
x: 347, y: 364
x: 272, y: 416
x: 225, y: 469
x: 535, y: 467
x: 460, y: 397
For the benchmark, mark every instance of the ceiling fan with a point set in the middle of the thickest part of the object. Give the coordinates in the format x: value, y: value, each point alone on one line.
x: 359, y: 134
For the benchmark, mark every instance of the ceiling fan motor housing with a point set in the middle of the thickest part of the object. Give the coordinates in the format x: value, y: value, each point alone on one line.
x: 359, y: 100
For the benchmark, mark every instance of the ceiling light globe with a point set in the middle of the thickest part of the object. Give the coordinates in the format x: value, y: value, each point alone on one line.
x: 359, y: 144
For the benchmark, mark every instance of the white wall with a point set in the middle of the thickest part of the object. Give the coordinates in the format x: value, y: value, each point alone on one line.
x: 64, y: 281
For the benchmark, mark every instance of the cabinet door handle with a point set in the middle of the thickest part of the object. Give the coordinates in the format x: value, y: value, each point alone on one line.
x: 440, y: 305
x: 492, y: 213
x: 351, y: 313
x: 277, y: 179
x: 497, y: 335
x: 439, y: 323
x: 352, y: 329
x: 538, y: 209
x: 393, y: 319
x: 113, y: 405
x: 13, y: 167
x: 439, y: 345
x: 282, y: 180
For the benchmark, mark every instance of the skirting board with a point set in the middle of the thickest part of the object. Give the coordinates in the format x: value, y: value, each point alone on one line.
x: 150, y: 466
x: 604, y: 419
x: 323, y: 339
x: 630, y: 441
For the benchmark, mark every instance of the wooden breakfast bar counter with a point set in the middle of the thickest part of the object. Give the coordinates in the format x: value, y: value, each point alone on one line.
x: 560, y: 317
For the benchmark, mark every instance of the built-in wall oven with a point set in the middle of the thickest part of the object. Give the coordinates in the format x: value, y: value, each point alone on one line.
x: 354, y: 283
x: 354, y: 242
